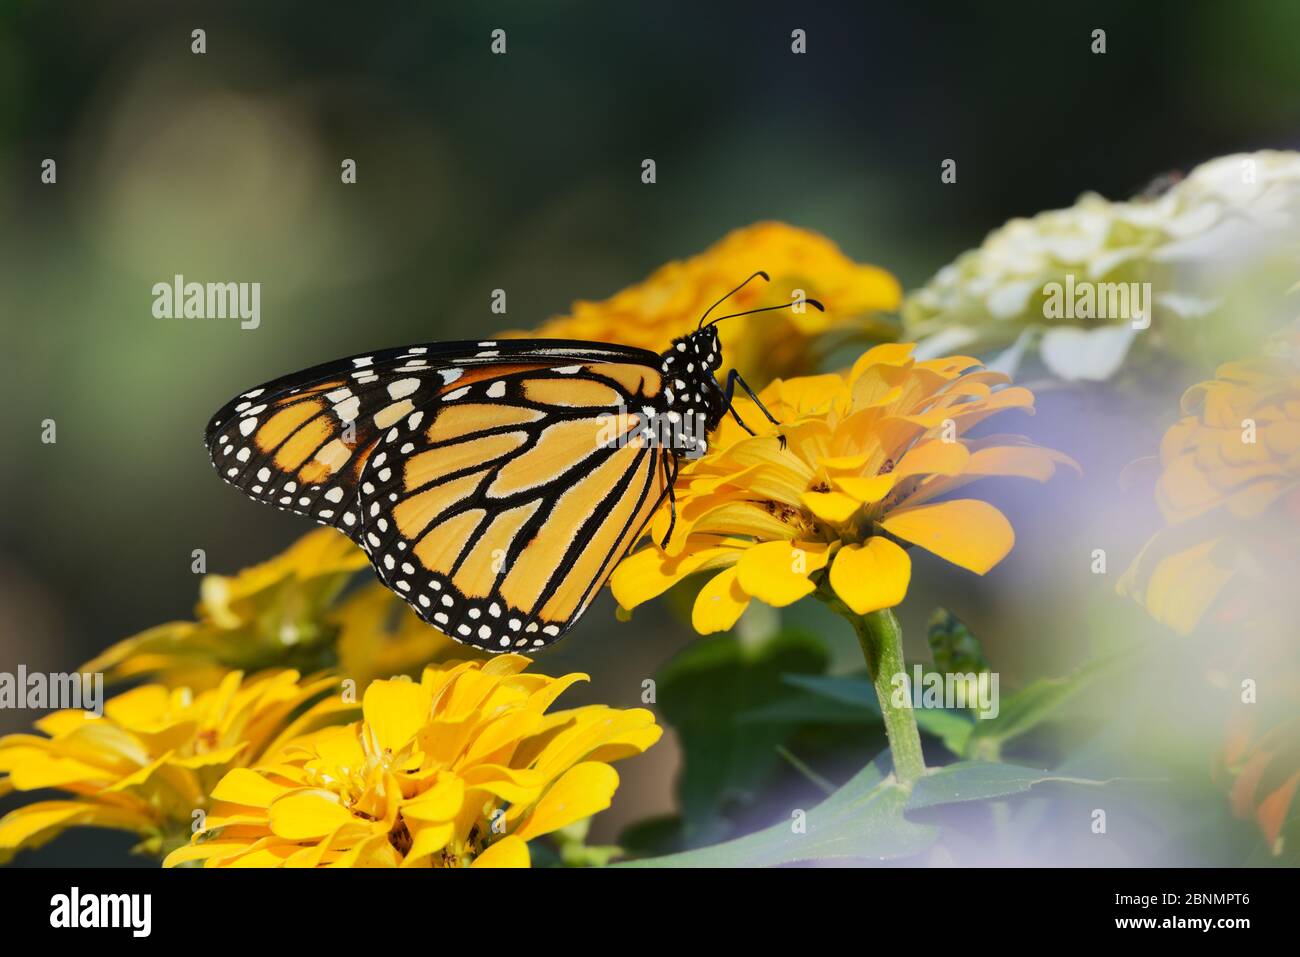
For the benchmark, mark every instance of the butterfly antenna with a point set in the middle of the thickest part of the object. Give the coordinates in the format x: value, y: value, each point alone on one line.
x: 786, y: 305
x: 766, y: 278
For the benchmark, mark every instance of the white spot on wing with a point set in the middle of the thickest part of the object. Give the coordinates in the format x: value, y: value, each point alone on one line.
x: 403, y: 387
x: 347, y: 409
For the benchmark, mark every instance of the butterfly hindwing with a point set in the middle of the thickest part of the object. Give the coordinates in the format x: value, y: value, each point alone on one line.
x: 499, y: 510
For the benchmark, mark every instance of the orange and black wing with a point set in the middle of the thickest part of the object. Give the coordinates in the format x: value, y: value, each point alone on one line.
x: 499, y: 513
x: 494, y: 485
x: 299, y: 442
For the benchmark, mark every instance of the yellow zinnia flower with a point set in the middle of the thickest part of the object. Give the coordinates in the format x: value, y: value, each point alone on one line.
x: 148, y: 764
x: 463, y: 768
x: 285, y: 612
x: 670, y: 302
x: 864, y: 456
x: 1229, y: 492
x: 270, y: 615
x: 379, y: 636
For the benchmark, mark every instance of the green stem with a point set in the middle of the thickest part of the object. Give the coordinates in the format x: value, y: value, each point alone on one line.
x: 881, y: 638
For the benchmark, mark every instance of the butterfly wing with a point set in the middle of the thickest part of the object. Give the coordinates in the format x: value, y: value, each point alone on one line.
x: 499, y: 512
x: 494, y: 485
x: 299, y: 442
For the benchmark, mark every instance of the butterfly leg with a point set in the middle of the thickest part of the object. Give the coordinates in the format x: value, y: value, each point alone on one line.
x: 670, y: 478
x: 733, y: 378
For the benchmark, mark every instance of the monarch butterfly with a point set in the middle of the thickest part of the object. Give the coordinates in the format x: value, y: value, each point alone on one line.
x: 494, y: 485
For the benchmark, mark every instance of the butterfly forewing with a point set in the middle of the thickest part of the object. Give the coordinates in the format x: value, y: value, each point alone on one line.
x: 299, y: 442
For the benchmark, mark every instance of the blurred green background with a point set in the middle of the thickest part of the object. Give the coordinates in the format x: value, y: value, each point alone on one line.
x: 523, y: 172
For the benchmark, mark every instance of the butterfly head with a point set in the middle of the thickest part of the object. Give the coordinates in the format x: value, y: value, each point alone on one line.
x: 688, y: 367
x: 692, y: 394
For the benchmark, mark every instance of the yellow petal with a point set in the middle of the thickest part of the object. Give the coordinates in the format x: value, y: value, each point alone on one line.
x: 243, y: 786
x: 1184, y: 585
x: 966, y: 532
x: 719, y: 603
x: 871, y: 576
x: 867, y: 490
x: 376, y: 851
x: 649, y: 573
x: 508, y: 852
x: 510, y: 784
x: 395, y: 710
x: 810, y: 393
x: 831, y: 506
x: 889, y: 353
x: 937, y: 457
x: 777, y: 572
x: 442, y: 802
x: 845, y: 463
x: 1023, y: 461
x: 427, y: 841
x: 628, y: 743
x: 144, y: 707
x: 201, y: 852
x: 223, y: 757
x: 33, y: 825
x: 728, y: 517
x: 639, y: 578
x: 34, y: 768
x: 269, y: 855
x: 305, y: 814
x: 587, y: 729
x: 585, y: 789
x: 58, y: 723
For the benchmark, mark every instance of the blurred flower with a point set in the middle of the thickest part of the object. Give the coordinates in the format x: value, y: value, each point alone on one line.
x: 1229, y: 492
x: 1265, y: 771
x: 150, y: 762
x: 285, y: 612
x: 271, y: 615
x: 379, y: 636
x: 463, y: 768
x: 1206, y: 242
x: 671, y: 301
x: 866, y: 453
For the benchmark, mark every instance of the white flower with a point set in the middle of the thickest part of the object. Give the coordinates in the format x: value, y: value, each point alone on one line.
x: 1199, y: 255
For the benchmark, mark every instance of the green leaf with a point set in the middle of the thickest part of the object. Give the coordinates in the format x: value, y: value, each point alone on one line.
x: 1023, y: 710
x: 863, y: 820
x: 801, y: 708
x: 845, y: 689
x: 982, y: 781
x: 703, y: 691
x: 953, y: 728
x: 954, y: 648
x: 653, y: 835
